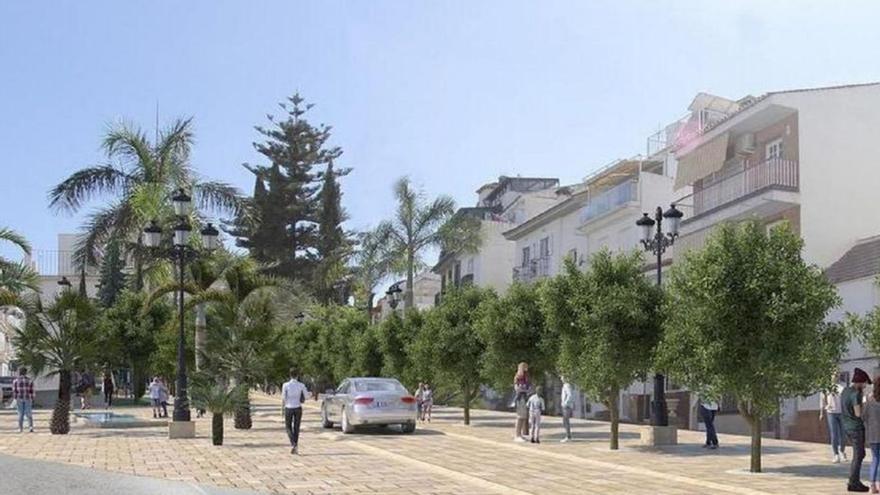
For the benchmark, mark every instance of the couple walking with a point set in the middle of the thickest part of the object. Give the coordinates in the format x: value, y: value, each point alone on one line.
x: 860, y: 419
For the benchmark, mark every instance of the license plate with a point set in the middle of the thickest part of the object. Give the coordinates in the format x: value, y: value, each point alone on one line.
x: 380, y: 404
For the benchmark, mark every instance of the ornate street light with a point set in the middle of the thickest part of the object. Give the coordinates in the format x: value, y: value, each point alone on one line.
x: 393, y: 294
x: 180, y: 251
x: 655, y: 241
x: 64, y: 283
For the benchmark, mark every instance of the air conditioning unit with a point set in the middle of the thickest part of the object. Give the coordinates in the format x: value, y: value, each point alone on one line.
x: 745, y: 144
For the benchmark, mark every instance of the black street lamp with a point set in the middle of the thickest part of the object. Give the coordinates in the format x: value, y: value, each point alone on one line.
x: 655, y: 241
x: 393, y: 294
x: 180, y: 251
x: 64, y: 283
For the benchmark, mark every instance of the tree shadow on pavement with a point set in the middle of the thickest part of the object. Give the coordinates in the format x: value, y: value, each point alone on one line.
x: 696, y: 450
x: 839, y: 471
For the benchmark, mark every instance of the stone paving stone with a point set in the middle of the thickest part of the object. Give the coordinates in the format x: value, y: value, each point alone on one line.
x: 443, y: 457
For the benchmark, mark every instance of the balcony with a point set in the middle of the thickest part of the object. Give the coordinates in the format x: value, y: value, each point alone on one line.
x: 774, y: 173
x: 54, y: 263
x: 535, y: 269
x: 609, y: 200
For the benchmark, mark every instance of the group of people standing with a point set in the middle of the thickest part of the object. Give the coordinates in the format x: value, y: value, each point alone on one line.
x: 158, y: 397
x: 530, y: 406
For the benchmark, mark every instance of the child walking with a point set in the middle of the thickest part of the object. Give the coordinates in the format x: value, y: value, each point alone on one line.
x: 427, y: 402
x: 536, y: 407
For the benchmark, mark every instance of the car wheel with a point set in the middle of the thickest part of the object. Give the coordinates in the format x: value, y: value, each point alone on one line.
x: 325, y: 423
x: 347, y: 427
x: 408, y: 427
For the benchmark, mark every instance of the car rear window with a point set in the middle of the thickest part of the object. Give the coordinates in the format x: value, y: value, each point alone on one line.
x: 378, y: 386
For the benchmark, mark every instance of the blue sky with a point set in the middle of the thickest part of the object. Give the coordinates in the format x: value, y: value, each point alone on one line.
x: 451, y: 93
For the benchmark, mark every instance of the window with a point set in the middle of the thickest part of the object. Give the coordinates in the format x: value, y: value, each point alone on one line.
x: 544, y: 248
x: 470, y: 265
x: 774, y: 149
x: 573, y: 254
x: 457, y: 275
x: 526, y: 256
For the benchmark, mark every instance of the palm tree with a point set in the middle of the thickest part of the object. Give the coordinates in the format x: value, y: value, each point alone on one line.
x: 415, y: 227
x: 57, y: 341
x: 371, y: 266
x: 243, y: 317
x: 16, y: 277
x: 140, y: 176
x: 218, y: 399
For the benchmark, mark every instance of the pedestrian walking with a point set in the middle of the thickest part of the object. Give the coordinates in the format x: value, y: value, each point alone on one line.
x: 23, y: 395
x: 566, y: 400
x: 155, y: 391
x: 536, y: 407
x: 418, y: 395
x: 87, y: 384
x: 521, y: 388
x: 851, y: 411
x: 708, y: 410
x: 163, y: 397
x: 427, y: 402
x: 829, y: 406
x: 109, y: 387
x: 871, y: 418
x: 293, y: 394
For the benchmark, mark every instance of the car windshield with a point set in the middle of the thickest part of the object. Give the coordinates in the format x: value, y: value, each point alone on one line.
x: 378, y: 386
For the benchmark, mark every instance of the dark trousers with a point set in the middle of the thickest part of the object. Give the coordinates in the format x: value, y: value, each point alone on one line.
x: 857, y: 439
x: 708, y: 416
x: 292, y: 415
x: 108, y: 396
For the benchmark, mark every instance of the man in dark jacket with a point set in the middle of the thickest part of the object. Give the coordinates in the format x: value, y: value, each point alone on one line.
x: 851, y: 405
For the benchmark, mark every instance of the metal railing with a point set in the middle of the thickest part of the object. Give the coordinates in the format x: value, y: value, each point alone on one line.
x: 771, y: 173
x: 55, y: 263
x: 611, y: 199
x: 535, y: 269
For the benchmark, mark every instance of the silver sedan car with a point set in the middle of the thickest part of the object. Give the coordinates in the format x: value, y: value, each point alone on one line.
x: 369, y: 401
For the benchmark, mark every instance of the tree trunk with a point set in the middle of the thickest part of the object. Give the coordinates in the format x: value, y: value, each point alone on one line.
x: 410, y: 276
x: 217, y: 429
x: 370, y: 297
x: 614, y: 409
x: 138, y: 383
x: 138, y: 266
x: 755, y: 465
x: 467, y: 405
x: 243, y: 420
x: 201, y: 335
x: 60, y: 423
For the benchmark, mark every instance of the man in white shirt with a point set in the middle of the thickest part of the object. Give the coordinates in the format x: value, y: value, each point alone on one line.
x: 293, y: 394
x: 567, y: 401
x: 708, y: 409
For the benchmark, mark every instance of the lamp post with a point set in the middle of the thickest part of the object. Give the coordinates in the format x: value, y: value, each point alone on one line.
x: 64, y: 283
x: 655, y: 241
x: 393, y: 294
x: 181, y: 249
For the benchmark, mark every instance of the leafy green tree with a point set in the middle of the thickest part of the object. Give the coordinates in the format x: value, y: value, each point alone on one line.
x: 334, y: 244
x: 371, y: 265
x: 866, y: 327
x: 140, y: 176
x: 16, y: 277
x: 449, y: 343
x: 746, y: 318
x: 128, y: 332
x: 414, y: 229
x: 395, y: 336
x: 609, y: 325
x: 280, y: 228
x: 513, y: 329
x: 56, y: 342
x: 112, y: 277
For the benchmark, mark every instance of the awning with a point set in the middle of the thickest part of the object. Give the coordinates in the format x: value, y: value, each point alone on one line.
x: 702, y: 161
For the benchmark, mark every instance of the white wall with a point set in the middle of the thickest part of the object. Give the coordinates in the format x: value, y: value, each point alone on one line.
x: 493, y: 265
x: 839, y: 176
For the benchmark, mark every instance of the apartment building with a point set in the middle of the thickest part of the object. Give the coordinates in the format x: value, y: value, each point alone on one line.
x: 798, y: 156
x: 500, y: 206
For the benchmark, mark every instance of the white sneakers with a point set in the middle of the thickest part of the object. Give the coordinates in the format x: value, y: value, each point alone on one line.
x: 835, y: 459
x: 519, y: 439
x: 564, y: 440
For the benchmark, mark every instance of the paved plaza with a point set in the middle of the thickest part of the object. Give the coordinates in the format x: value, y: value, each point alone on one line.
x: 443, y: 457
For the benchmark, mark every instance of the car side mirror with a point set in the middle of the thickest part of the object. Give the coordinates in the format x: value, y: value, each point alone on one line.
x: 330, y: 391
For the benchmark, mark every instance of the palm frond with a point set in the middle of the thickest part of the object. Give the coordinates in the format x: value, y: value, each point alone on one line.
x: 9, y: 235
x: 129, y: 142
x: 87, y: 183
x: 117, y: 220
x: 219, y: 197
x: 17, y: 278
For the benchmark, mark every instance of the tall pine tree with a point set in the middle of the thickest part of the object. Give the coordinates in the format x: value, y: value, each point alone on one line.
x: 334, y: 244
x: 112, y: 277
x: 281, y: 225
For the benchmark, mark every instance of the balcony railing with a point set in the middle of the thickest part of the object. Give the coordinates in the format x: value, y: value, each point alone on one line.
x: 611, y: 199
x: 773, y: 173
x: 534, y: 270
x: 53, y: 263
